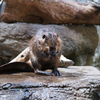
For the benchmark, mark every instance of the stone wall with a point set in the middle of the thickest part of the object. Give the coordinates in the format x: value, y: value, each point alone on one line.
x: 77, y: 39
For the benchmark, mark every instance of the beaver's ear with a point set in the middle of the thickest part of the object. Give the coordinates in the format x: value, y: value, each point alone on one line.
x: 43, y: 36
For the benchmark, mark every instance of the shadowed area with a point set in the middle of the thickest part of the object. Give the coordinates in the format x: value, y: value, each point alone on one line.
x: 15, y: 67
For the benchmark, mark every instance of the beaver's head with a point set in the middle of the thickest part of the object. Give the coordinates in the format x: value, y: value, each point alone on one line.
x: 51, y: 44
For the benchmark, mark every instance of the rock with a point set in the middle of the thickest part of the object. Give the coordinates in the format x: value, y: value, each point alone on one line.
x: 64, y: 62
x: 77, y: 40
x: 76, y: 83
x: 51, y: 12
x: 2, y: 7
x: 6, y: 86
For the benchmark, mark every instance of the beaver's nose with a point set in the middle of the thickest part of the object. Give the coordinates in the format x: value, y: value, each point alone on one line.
x: 52, y: 50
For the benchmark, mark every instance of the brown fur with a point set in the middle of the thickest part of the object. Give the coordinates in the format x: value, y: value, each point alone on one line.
x: 45, y: 50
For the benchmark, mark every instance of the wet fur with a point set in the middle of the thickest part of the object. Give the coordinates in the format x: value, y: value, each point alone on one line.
x: 45, y: 50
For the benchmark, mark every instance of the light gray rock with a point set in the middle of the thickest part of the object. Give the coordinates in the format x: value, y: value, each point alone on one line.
x: 2, y: 7
x: 77, y: 40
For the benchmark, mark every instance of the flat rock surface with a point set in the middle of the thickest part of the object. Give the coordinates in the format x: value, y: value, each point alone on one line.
x: 75, y: 83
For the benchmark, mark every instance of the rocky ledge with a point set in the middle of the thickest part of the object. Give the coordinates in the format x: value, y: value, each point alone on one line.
x: 76, y: 83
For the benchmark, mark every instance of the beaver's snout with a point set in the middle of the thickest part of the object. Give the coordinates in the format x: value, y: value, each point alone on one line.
x: 52, y: 50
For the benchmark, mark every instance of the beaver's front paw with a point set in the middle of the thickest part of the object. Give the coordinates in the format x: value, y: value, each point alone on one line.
x: 56, y: 72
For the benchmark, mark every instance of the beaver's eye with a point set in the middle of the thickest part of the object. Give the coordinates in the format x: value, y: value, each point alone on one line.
x: 43, y: 36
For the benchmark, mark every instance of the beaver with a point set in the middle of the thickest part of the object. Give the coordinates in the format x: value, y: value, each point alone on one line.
x: 45, y: 51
